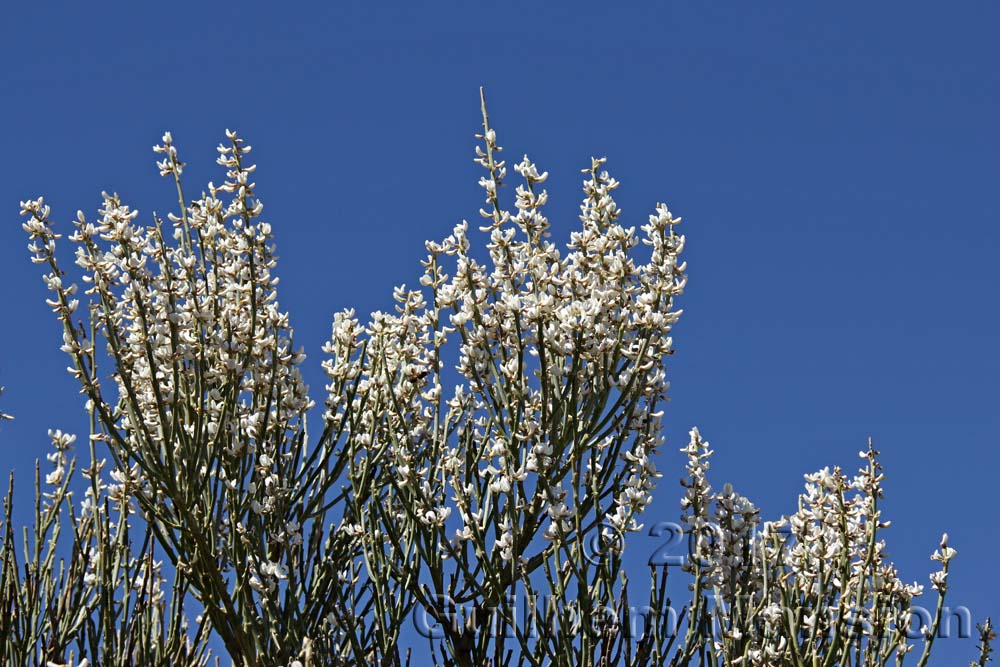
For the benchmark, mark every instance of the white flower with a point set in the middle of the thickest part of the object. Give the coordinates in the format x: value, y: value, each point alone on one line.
x: 55, y: 477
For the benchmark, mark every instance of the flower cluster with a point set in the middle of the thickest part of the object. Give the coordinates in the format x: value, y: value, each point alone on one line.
x: 552, y: 426
x: 204, y: 418
x: 827, y: 560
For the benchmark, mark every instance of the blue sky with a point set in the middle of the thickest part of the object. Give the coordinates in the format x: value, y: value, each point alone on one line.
x: 836, y: 167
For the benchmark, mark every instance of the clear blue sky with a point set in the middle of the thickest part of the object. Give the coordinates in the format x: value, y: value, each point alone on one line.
x: 837, y: 169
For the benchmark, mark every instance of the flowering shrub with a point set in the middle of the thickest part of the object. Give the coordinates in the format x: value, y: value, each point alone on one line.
x: 819, y: 593
x: 476, y: 442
